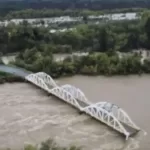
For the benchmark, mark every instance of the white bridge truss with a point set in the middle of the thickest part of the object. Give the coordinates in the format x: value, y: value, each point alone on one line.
x: 105, y: 112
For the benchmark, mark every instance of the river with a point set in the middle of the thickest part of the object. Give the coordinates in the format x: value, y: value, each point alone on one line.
x: 27, y: 114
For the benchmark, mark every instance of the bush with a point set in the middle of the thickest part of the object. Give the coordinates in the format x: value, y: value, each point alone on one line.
x: 92, y: 64
x: 50, y: 145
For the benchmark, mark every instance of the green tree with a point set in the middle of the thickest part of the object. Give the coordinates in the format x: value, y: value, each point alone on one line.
x: 103, y: 40
x: 147, y: 27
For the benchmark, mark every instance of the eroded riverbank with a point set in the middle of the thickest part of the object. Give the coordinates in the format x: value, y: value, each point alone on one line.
x: 28, y: 115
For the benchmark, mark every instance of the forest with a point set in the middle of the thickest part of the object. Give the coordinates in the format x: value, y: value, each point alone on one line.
x: 44, y: 13
x: 121, y: 36
x: 36, y: 45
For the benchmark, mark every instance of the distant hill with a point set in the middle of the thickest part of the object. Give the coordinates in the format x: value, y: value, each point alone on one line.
x: 10, y: 5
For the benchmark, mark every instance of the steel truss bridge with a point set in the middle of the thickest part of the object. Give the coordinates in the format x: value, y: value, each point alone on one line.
x: 110, y: 114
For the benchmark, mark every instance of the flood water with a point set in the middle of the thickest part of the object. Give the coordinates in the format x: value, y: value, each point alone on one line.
x: 28, y: 115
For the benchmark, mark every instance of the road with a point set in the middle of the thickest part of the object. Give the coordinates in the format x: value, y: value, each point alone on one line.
x: 14, y: 70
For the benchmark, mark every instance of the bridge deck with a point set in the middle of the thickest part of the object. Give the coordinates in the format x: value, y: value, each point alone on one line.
x: 82, y: 104
x: 128, y: 128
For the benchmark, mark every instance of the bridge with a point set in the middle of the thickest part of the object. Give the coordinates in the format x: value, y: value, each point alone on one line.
x: 107, y: 113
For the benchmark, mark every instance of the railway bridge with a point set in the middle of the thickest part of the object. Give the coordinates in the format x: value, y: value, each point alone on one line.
x: 110, y: 114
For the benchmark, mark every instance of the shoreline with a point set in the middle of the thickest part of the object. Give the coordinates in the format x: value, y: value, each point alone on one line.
x: 10, y: 78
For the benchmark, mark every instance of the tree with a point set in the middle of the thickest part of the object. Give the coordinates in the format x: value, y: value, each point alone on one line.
x: 147, y: 27
x: 103, y: 39
x: 85, y: 19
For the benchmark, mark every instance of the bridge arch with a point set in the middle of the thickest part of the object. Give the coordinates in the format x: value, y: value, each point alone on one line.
x: 65, y: 95
x: 106, y: 117
x: 44, y: 81
x: 76, y: 92
x: 118, y: 112
x: 33, y: 78
x: 47, y: 79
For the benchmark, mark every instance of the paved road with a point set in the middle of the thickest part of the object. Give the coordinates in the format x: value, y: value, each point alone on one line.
x: 14, y: 70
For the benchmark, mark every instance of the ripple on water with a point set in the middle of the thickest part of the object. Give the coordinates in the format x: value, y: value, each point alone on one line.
x: 28, y: 115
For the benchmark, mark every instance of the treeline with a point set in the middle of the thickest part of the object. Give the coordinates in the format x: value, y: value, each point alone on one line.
x: 6, y: 5
x: 44, y: 13
x: 117, y: 36
x: 50, y: 145
x: 93, y: 64
x: 6, y: 77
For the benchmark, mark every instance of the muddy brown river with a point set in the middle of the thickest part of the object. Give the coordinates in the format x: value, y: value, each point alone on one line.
x: 29, y: 115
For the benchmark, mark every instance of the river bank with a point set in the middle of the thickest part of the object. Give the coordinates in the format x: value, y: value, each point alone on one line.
x: 11, y: 73
x: 93, y: 64
x: 9, y: 78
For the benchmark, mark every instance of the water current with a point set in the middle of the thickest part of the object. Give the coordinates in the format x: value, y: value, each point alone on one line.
x: 29, y: 115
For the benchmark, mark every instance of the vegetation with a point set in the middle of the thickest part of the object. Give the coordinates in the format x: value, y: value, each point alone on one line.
x: 6, y: 77
x: 7, y: 6
x: 92, y: 64
x: 44, y: 13
x: 36, y: 46
x: 1, y: 62
x: 117, y: 36
x: 50, y: 145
